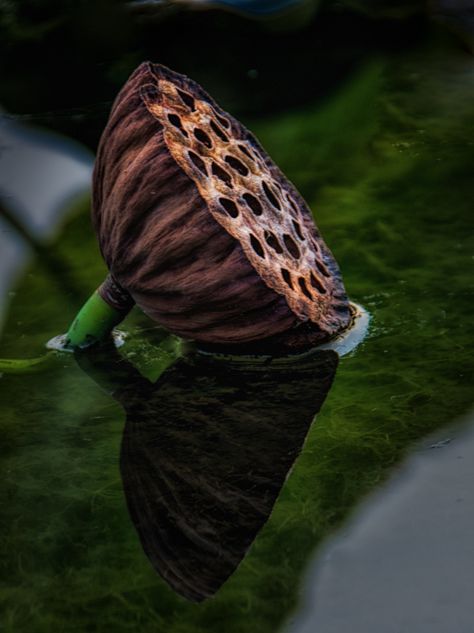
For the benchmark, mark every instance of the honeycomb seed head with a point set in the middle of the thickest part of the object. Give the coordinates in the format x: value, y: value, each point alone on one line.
x: 221, y: 171
x: 247, y: 196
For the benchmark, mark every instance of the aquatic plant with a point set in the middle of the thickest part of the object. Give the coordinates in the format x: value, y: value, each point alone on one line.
x: 200, y: 228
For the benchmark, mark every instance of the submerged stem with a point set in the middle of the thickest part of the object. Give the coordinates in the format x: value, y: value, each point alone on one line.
x: 26, y: 365
x: 105, y: 309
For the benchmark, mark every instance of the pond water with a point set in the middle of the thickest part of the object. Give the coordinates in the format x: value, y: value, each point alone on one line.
x: 385, y: 163
x: 404, y: 560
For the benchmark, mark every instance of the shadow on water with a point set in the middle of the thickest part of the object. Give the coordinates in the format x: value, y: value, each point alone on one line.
x: 205, y: 452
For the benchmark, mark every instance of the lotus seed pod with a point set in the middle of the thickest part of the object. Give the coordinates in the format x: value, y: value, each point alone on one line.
x: 202, y: 229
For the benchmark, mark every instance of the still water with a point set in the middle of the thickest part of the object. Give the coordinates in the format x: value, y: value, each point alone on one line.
x: 216, y: 469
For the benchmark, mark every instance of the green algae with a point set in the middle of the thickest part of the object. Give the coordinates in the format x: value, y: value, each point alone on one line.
x: 385, y: 166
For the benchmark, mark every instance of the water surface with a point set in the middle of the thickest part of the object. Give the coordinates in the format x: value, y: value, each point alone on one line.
x: 386, y: 165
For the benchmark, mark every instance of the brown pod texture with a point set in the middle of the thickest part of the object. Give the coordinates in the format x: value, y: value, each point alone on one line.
x: 202, y: 229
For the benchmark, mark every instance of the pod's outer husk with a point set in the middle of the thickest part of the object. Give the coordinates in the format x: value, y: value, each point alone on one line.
x: 202, y: 229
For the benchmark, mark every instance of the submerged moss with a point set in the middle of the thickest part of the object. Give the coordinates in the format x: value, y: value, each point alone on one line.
x: 385, y: 167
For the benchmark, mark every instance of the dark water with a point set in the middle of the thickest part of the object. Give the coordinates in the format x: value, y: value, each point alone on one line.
x: 384, y: 159
x: 404, y: 560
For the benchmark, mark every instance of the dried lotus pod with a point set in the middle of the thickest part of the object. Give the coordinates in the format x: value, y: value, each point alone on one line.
x: 202, y: 229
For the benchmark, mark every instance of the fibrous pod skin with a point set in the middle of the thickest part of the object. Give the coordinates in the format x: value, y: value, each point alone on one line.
x: 197, y: 223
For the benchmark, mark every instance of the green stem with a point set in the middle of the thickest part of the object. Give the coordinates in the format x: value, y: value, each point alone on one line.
x: 27, y: 365
x: 105, y: 309
x: 93, y: 323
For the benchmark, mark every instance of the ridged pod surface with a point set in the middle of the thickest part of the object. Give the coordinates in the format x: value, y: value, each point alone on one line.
x: 202, y: 229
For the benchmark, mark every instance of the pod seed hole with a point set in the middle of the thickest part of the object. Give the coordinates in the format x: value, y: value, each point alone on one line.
x: 286, y: 277
x: 223, y: 121
x: 176, y: 121
x: 316, y: 283
x: 270, y: 196
x: 291, y: 246
x: 253, y: 203
x: 304, y: 288
x: 298, y: 231
x: 187, y: 99
x: 322, y: 269
x: 237, y: 165
x: 245, y: 151
x: 273, y: 242
x: 198, y: 162
x: 202, y: 137
x: 221, y: 174
x: 217, y: 130
x: 230, y: 207
x: 257, y: 247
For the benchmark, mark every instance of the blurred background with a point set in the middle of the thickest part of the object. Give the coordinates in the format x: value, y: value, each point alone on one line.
x: 62, y: 63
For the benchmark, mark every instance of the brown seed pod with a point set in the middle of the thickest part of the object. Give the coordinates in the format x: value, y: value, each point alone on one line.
x: 202, y: 229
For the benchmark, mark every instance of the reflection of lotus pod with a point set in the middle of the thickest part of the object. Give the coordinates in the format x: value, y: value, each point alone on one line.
x: 202, y: 229
x: 205, y: 453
